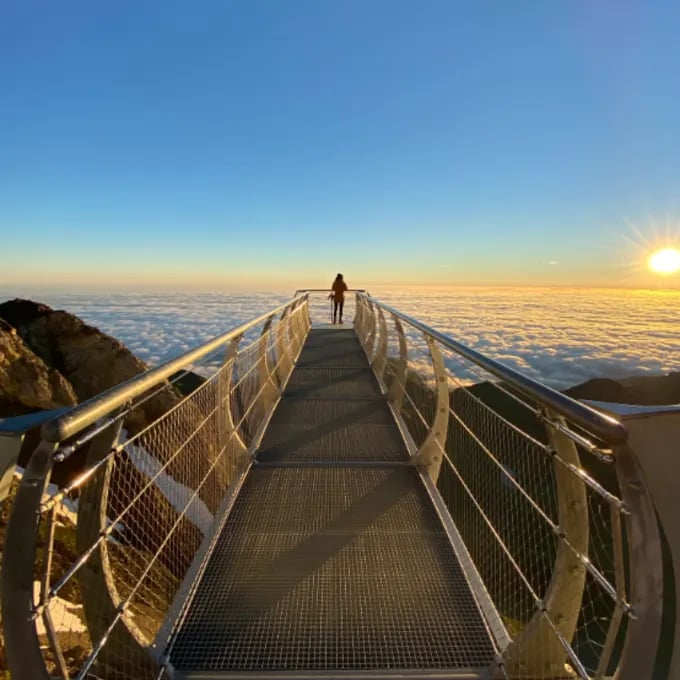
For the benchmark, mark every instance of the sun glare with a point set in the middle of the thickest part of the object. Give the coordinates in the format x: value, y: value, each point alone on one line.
x: 665, y: 261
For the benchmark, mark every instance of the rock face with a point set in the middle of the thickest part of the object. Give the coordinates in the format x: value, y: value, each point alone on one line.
x: 57, y: 359
x: 640, y: 390
x: 88, y: 359
x: 27, y: 384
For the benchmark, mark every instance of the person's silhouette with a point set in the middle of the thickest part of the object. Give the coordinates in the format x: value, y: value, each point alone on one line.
x: 338, y: 295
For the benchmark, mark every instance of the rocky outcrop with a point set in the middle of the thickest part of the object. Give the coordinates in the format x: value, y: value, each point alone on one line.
x: 82, y: 359
x: 88, y: 359
x: 640, y: 390
x: 27, y: 384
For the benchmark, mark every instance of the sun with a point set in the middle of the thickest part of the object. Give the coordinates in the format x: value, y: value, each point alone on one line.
x: 665, y: 261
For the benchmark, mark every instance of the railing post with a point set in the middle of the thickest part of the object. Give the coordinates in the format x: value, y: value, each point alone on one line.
x: 19, y: 435
x: 380, y: 358
x: 308, y: 316
x: 430, y: 453
x: 284, y: 359
x: 10, y: 447
x: 538, y: 652
x: 100, y: 594
x: 396, y: 391
x: 360, y: 317
x: 293, y: 331
x: 300, y: 326
x: 647, y: 471
x: 369, y: 339
x: 227, y: 420
x: 269, y: 390
x: 22, y: 646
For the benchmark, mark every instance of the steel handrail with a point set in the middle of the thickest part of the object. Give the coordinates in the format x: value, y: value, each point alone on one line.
x: 328, y: 290
x: 605, y: 427
x: 82, y: 415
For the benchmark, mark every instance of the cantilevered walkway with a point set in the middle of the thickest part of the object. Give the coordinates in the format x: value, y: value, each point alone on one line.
x: 333, y: 556
x: 365, y: 502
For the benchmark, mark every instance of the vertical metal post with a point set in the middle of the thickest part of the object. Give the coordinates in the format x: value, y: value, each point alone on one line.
x: 538, y: 652
x: 296, y: 330
x: 430, y: 453
x: 646, y: 468
x: 230, y: 436
x: 308, y: 316
x: 266, y: 384
x: 369, y: 340
x: 380, y: 358
x: 100, y: 595
x: 22, y: 645
x: 10, y: 447
x: 298, y: 327
x: 285, y: 361
x: 397, y: 389
x: 359, y: 316
x: 293, y: 331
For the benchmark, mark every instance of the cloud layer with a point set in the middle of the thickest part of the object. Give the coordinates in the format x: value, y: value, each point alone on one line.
x: 559, y: 336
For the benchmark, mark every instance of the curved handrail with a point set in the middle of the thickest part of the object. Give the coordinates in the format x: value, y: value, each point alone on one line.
x: 328, y: 290
x: 82, y: 415
x: 608, y: 429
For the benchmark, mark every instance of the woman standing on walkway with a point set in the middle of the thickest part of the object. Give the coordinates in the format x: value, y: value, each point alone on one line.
x: 339, y: 287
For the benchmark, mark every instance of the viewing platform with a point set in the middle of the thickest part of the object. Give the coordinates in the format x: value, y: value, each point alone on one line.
x: 371, y: 500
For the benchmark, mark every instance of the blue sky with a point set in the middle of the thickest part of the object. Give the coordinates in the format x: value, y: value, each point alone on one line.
x: 268, y: 144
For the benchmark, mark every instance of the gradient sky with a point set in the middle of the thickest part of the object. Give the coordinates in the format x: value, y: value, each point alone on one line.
x: 270, y: 144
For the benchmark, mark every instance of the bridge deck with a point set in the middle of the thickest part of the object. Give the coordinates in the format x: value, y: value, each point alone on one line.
x: 333, y: 557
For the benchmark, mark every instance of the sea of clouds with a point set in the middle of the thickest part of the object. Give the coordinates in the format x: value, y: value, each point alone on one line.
x: 559, y: 336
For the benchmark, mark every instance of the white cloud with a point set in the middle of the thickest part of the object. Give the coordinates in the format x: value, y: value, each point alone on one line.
x: 561, y: 337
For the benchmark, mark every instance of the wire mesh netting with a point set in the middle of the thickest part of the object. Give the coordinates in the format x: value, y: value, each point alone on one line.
x: 133, y: 509
x: 534, y: 499
x: 123, y: 526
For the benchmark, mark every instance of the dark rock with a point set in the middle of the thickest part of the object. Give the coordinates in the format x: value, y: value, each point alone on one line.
x: 57, y: 350
x: 598, y: 389
x: 20, y: 312
x: 90, y: 360
x: 26, y: 383
x: 644, y: 390
x: 186, y: 382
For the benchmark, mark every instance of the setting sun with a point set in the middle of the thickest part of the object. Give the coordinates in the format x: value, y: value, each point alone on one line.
x: 665, y: 261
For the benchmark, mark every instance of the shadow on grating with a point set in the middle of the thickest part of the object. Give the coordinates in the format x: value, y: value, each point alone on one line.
x: 341, y: 358
x: 332, y: 383
x: 351, y: 442
x: 332, y: 569
x: 332, y: 430
x: 333, y: 412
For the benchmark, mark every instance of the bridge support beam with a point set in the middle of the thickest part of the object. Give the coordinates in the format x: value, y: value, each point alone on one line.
x: 397, y: 388
x: 647, y: 470
x: 368, y: 341
x: 22, y: 646
x: 267, y: 388
x: 431, y: 451
x: 126, y: 657
x: 380, y: 358
x: 10, y: 447
x: 539, y: 650
x: 363, y: 320
x: 230, y: 435
x: 359, y: 317
x: 294, y: 330
x: 283, y: 357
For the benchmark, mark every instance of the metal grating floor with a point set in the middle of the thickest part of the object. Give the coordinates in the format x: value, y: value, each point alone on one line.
x: 334, y: 567
x: 332, y: 383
